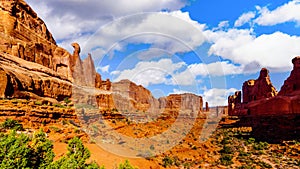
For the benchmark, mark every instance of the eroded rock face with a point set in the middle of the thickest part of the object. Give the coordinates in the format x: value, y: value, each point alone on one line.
x: 127, y: 94
x: 260, y: 97
x: 18, y: 76
x: 234, y: 101
x: 25, y: 35
x: 292, y: 84
x: 186, y: 101
x: 259, y: 89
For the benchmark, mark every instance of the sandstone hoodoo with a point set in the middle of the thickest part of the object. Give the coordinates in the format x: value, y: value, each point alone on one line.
x: 263, y: 109
x: 291, y: 85
x: 259, y: 88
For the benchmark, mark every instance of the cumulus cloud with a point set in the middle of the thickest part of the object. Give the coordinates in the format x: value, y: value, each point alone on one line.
x: 215, y: 69
x: 170, y: 31
x: 103, y: 69
x: 152, y: 53
x: 150, y: 72
x: 217, y: 97
x: 244, y: 18
x: 241, y: 46
x: 288, y: 12
x: 70, y: 18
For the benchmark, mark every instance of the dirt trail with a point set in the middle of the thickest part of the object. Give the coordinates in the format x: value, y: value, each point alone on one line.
x: 109, y: 160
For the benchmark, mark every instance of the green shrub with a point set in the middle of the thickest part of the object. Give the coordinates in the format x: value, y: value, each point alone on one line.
x: 12, y: 124
x: 226, y: 150
x: 67, y: 100
x: 76, y: 157
x: 126, y: 165
x: 152, y: 147
x: 251, y: 140
x: 59, y: 105
x: 167, y: 161
x: 261, y: 146
x: 20, y: 151
x: 39, y: 103
x: 226, y: 159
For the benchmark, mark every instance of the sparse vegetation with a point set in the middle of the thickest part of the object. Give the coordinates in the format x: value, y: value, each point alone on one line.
x: 12, y: 124
x: 21, y: 151
x: 38, y: 103
x: 67, y: 100
x: 126, y: 165
x: 167, y: 161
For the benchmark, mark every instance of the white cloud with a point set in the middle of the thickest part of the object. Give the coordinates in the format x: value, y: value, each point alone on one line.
x: 170, y: 31
x: 244, y: 18
x: 178, y: 91
x: 150, y: 72
x: 288, y: 12
x: 215, y: 69
x: 115, y: 73
x: 71, y: 18
x: 103, y: 69
x: 222, y: 25
x: 152, y: 53
x: 217, y: 97
x: 273, y: 51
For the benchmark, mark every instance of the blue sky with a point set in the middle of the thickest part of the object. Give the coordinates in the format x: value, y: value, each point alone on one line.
x: 172, y: 46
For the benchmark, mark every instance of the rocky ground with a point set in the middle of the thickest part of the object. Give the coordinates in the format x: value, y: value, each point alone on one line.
x: 227, y: 147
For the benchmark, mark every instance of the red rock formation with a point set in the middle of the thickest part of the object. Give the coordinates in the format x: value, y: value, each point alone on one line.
x: 234, y: 102
x: 137, y: 96
x: 26, y: 36
x: 291, y: 86
x: 259, y: 89
x: 206, y: 107
x: 260, y: 97
x: 19, y: 75
x: 186, y: 101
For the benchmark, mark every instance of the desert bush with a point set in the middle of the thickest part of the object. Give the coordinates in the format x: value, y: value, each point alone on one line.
x: 226, y: 150
x: 12, y: 124
x: 167, y: 161
x: 39, y: 103
x: 260, y: 146
x: 226, y: 159
x: 67, y: 100
x: 251, y: 140
x: 126, y: 165
x: 20, y: 151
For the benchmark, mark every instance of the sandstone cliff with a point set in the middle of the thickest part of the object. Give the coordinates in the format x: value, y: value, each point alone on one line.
x: 186, y: 101
x: 260, y: 97
x: 26, y: 36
